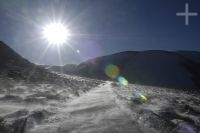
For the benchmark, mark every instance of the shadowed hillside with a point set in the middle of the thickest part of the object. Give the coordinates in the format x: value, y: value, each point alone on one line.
x: 12, y: 65
x: 156, y: 68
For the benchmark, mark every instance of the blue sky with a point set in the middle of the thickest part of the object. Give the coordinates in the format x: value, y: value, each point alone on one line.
x: 100, y: 27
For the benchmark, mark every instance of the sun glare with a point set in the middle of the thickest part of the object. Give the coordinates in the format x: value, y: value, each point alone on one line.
x: 56, y: 33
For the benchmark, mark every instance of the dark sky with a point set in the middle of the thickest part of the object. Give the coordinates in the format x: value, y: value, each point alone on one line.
x: 99, y: 27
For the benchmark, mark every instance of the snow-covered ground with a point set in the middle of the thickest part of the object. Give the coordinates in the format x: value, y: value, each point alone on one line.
x: 163, y: 109
x: 107, y: 108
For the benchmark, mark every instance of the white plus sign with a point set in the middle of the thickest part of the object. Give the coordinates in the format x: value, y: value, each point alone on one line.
x: 186, y: 14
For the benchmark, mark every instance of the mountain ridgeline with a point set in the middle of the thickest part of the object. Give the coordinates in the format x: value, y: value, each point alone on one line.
x: 180, y: 69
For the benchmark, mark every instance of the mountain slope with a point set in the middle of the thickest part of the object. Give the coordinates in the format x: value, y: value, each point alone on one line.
x: 12, y: 65
x: 156, y: 68
x: 15, y: 69
x: 68, y: 68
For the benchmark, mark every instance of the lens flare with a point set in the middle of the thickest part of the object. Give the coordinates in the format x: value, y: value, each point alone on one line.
x: 141, y: 96
x: 78, y: 51
x: 122, y: 80
x: 184, y: 127
x: 112, y: 71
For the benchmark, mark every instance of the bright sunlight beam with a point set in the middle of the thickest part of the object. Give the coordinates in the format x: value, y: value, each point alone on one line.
x: 56, y: 33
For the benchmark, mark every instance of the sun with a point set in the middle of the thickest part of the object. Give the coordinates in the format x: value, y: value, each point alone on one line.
x: 56, y: 33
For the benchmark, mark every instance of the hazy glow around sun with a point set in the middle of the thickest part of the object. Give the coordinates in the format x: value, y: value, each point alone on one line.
x: 56, y: 33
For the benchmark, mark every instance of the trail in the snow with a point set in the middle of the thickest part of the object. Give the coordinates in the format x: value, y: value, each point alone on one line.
x: 96, y: 111
x: 106, y: 108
